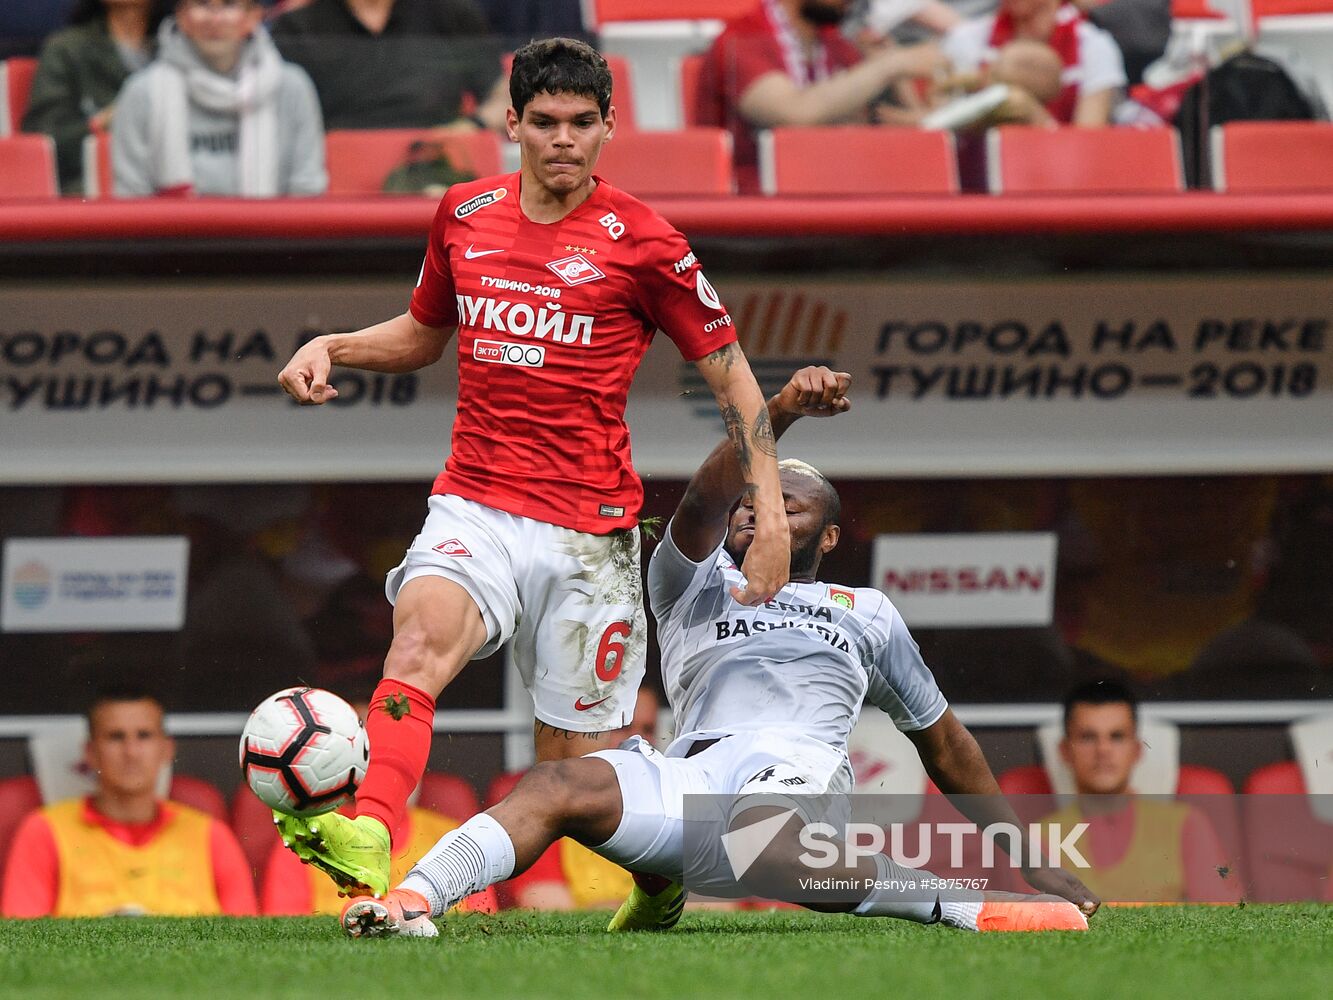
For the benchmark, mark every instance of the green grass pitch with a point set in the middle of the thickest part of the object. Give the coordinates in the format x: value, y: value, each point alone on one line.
x: 1178, y: 952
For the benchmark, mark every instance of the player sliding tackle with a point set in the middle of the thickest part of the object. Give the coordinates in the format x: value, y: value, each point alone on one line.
x: 555, y: 282
x: 761, y: 707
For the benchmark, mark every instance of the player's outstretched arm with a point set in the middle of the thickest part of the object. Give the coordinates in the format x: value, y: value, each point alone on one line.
x: 701, y: 518
x: 954, y: 761
x: 401, y: 344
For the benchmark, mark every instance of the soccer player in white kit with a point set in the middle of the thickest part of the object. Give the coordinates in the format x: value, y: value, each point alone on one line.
x: 764, y: 697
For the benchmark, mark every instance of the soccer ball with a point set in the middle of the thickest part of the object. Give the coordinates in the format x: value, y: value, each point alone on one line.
x: 304, y: 751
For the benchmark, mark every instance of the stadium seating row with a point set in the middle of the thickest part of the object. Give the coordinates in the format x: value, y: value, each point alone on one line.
x: 1249, y: 158
x: 1295, y: 871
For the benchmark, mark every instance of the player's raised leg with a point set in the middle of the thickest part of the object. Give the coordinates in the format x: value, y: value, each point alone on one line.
x: 438, y: 627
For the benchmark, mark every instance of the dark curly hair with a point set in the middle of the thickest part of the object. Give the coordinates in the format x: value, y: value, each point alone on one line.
x: 559, y: 66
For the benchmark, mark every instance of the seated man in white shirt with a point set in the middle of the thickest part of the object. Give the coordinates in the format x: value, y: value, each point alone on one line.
x: 1093, y: 71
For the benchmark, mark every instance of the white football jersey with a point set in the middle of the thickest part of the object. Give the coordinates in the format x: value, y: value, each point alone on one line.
x: 803, y: 661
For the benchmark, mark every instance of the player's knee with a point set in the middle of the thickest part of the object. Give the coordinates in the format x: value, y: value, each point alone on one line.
x: 426, y: 653
x: 574, y: 788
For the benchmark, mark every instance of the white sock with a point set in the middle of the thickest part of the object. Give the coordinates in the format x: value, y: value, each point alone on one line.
x: 893, y: 899
x: 961, y: 913
x: 476, y: 855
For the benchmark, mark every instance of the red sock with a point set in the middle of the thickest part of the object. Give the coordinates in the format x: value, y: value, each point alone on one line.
x: 399, y: 727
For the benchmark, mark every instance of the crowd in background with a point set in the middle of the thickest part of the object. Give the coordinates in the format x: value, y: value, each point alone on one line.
x: 230, y: 97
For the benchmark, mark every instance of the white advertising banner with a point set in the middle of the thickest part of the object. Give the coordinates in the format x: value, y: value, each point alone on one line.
x: 998, y: 580
x: 1124, y: 374
x: 103, y: 584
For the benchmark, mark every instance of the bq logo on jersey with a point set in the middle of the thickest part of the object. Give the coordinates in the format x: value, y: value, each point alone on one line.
x: 575, y: 270
x: 497, y: 352
x: 479, y: 202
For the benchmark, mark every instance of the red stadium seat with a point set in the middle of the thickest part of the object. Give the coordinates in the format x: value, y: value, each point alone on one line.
x: 691, y: 161
x: 622, y: 93
x: 1288, y: 850
x: 18, y: 797
x: 670, y: 10
x: 1030, y: 779
x: 1083, y: 161
x: 28, y: 165
x: 1255, y: 157
x: 449, y: 795
x: 252, y: 822
x: 689, y: 71
x: 856, y: 160
x: 1289, y: 8
x: 15, y: 85
x: 1194, y: 10
x: 358, y: 160
x: 501, y: 785
x: 199, y: 794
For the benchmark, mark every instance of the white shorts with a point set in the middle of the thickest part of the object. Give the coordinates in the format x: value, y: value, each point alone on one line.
x: 652, y: 837
x: 572, y: 602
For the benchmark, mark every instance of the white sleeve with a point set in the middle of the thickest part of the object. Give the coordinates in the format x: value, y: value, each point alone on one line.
x: 671, y: 572
x: 900, y: 683
x: 965, y: 46
x: 131, y: 146
x: 885, y: 15
x: 1100, y: 59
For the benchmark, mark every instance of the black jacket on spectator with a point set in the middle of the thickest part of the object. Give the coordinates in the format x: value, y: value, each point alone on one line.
x: 1140, y: 27
x: 412, y: 75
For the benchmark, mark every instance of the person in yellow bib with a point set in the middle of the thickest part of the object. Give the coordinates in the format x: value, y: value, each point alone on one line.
x: 1142, y: 849
x: 122, y: 850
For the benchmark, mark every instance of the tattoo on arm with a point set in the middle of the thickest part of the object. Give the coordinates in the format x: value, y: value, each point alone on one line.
x: 725, y: 356
x: 731, y: 416
x: 762, y: 434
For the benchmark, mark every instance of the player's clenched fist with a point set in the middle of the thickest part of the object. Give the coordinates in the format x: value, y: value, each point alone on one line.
x: 816, y: 392
x: 306, y: 377
x: 766, y: 567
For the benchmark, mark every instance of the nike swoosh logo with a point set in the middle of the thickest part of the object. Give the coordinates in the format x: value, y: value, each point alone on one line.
x: 581, y: 707
x: 471, y: 254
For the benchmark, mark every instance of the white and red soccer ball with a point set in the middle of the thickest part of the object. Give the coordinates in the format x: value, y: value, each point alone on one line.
x: 304, y: 751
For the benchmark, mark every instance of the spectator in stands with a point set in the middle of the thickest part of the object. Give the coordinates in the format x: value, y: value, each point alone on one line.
x: 81, y: 70
x: 397, y: 63
x: 1141, y: 849
x: 518, y: 21
x: 568, y: 876
x: 218, y: 112
x: 786, y: 63
x: 123, y: 850
x: 1094, y: 72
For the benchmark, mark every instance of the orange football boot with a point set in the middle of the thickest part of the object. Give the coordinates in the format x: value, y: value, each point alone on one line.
x: 1039, y: 915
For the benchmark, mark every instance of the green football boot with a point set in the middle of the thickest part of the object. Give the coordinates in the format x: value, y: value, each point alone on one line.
x: 659, y: 911
x: 352, y: 852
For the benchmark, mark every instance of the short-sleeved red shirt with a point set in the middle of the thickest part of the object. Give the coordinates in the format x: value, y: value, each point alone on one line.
x: 553, y: 320
x: 750, y: 47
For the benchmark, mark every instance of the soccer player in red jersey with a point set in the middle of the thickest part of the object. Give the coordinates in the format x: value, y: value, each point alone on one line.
x: 555, y: 282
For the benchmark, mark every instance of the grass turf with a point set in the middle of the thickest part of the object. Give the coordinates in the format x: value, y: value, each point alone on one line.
x: 1253, y: 951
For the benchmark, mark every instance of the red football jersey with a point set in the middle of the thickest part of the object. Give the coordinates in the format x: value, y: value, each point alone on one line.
x: 553, y: 320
